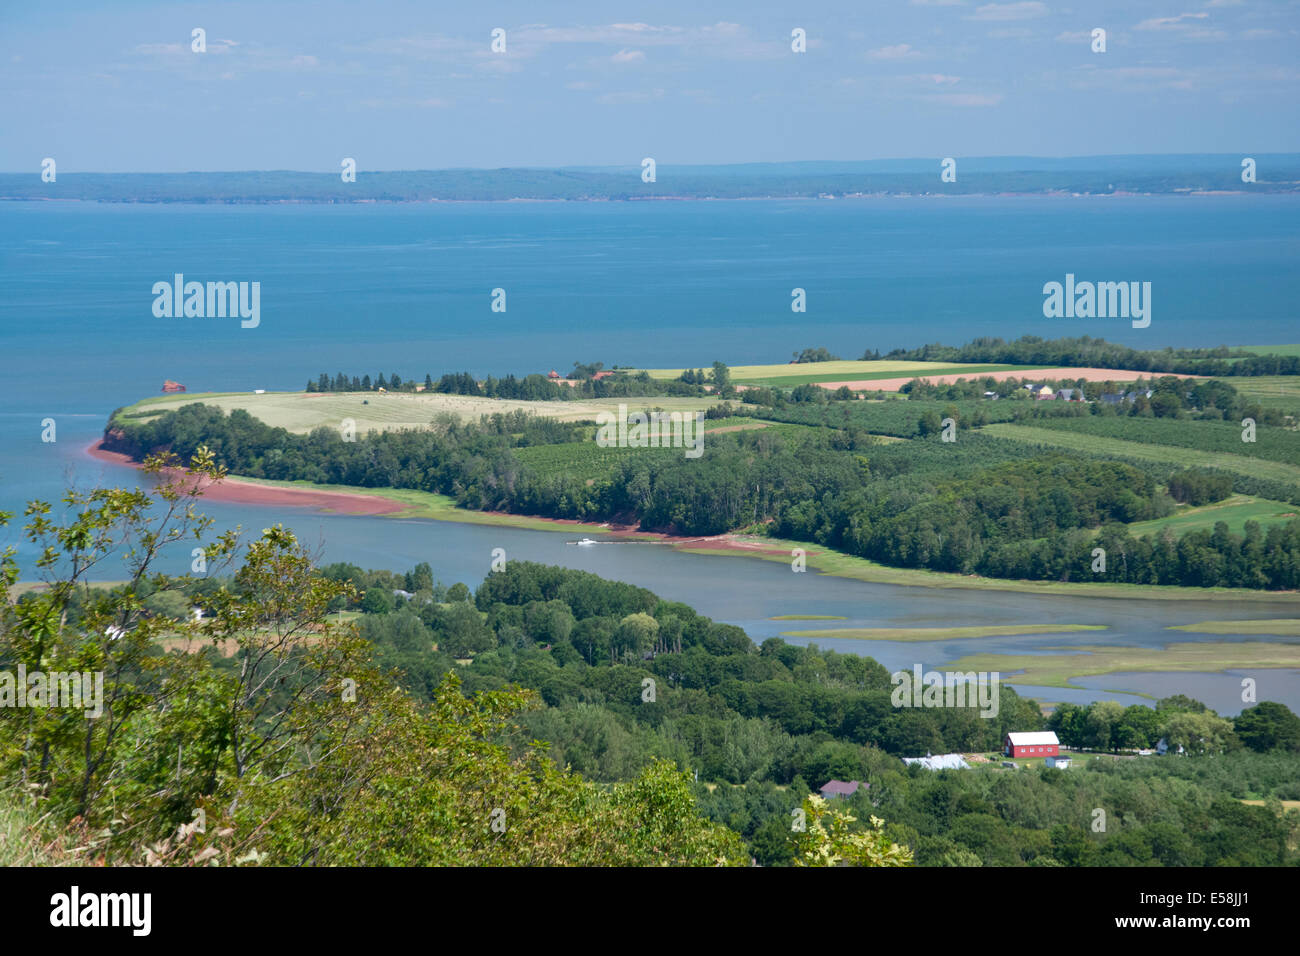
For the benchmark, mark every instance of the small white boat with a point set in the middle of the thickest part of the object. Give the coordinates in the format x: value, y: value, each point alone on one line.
x: 584, y: 542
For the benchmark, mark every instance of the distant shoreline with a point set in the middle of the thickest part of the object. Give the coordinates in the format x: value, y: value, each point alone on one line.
x: 858, y: 197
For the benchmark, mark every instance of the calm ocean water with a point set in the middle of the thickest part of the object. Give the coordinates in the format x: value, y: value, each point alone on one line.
x: 407, y: 288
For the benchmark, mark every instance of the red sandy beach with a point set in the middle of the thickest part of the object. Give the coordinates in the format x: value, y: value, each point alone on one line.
x: 251, y: 493
x: 346, y: 502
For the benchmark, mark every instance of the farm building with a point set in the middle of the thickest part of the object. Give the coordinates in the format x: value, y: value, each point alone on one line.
x: 1038, y: 743
x: 941, y: 762
x: 1162, y: 747
x: 1060, y: 763
x: 838, y: 789
x: 1070, y: 394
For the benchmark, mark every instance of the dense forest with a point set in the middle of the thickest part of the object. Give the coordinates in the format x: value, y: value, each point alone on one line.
x: 585, y: 379
x: 1088, y: 352
x: 768, y: 722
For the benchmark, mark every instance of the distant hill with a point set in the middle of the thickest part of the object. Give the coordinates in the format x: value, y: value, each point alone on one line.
x: 1089, y: 175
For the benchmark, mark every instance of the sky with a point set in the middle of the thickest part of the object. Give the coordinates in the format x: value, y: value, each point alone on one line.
x: 115, y: 86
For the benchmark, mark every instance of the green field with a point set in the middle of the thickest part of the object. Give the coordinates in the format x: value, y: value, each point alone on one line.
x: 301, y: 412
x: 838, y: 564
x: 1166, y: 454
x: 745, y: 423
x: 1285, y: 627
x: 788, y: 375
x: 1271, y: 350
x: 587, y: 461
x: 1234, y: 511
x: 583, y: 460
x: 899, y: 419
x: 1271, y: 391
x: 1056, y: 670
x: 1212, y: 437
x: 941, y: 633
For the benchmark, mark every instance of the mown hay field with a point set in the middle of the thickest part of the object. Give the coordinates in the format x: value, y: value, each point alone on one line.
x: 787, y: 375
x: 300, y: 412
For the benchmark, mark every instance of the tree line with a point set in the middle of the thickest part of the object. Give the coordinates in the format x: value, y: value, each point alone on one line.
x: 1089, y: 352
x: 530, y: 388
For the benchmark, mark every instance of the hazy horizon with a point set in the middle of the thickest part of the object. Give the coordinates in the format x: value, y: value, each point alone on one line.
x: 905, y: 163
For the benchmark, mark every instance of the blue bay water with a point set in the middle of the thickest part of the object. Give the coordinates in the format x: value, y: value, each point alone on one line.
x: 406, y: 288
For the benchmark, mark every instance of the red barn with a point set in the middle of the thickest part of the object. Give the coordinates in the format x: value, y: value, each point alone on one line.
x: 1038, y: 743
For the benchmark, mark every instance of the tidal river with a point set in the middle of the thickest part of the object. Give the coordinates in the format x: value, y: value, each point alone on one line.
x: 750, y: 592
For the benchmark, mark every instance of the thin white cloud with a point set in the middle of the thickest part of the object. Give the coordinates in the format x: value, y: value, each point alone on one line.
x: 427, y: 44
x: 1133, y: 79
x: 1024, y: 10
x: 498, y: 64
x: 967, y: 99
x: 214, y: 45
x: 723, y: 39
x: 899, y: 51
x: 1170, y: 23
x: 629, y: 96
x: 628, y: 56
x: 157, y: 49
x: 404, y: 103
